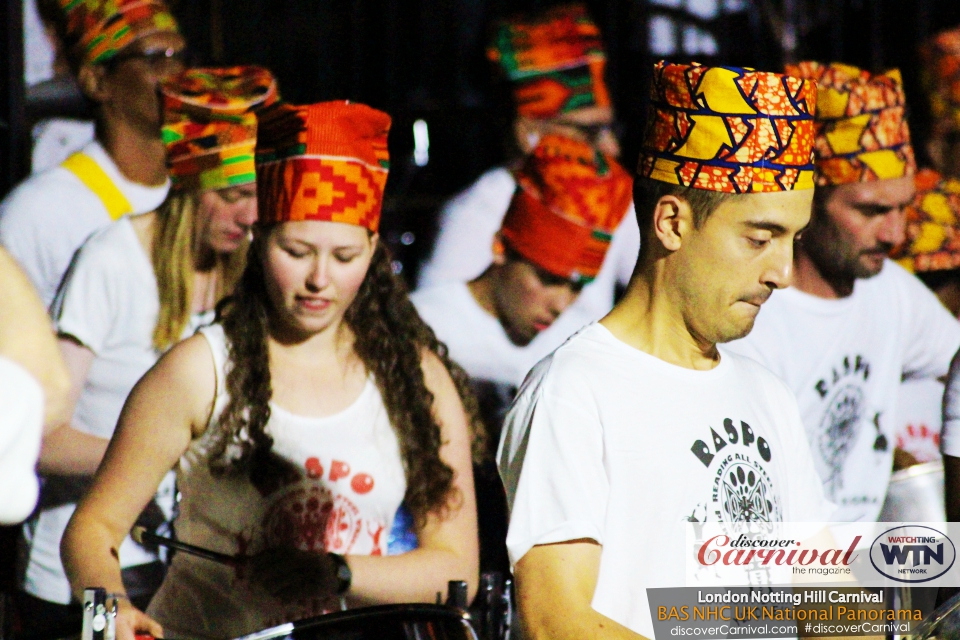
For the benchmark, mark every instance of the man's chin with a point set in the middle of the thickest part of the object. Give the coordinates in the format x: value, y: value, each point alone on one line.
x: 869, y: 266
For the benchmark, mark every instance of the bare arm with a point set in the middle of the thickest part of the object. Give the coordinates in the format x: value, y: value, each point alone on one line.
x: 448, y: 543
x: 152, y: 434
x: 555, y: 587
x: 65, y: 450
x: 26, y: 337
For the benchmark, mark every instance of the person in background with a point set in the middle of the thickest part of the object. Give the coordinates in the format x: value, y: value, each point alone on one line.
x: 119, y: 51
x: 317, y: 402
x: 137, y: 288
x: 931, y: 251
x: 569, y: 199
x: 856, y: 323
x: 940, y: 76
x: 33, y: 389
x: 554, y: 62
x: 615, y: 439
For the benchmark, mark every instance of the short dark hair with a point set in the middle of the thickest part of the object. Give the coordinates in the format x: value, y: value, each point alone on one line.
x: 647, y: 193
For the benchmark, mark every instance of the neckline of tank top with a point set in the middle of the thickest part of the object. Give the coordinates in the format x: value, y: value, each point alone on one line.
x: 368, y: 387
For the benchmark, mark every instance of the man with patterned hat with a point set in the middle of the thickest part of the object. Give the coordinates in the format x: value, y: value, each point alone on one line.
x: 614, y: 441
x: 855, y: 324
x: 118, y: 50
x: 554, y: 62
x: 553, y: 240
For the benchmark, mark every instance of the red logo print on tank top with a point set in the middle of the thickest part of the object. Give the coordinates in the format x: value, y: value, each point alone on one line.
x: 311, y: 517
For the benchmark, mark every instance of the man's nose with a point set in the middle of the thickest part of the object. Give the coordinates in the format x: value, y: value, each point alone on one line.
x: 892, y: 230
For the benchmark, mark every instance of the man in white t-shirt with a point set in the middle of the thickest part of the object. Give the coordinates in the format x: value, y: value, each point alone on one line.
x: 554, y: 61
x: 118, y: 61
x: 553, y: 240
x: 856, y: 323
x: 640, y: 422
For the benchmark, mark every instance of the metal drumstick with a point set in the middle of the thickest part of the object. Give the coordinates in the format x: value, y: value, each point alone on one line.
x: 141, y: 536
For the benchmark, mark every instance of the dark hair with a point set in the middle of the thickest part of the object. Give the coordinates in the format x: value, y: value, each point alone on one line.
x: 647, y: 193
x: 390, y: 340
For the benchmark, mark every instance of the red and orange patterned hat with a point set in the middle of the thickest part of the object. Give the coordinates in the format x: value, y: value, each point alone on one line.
x: 555, y: 61
x: 103, y: 27
x: 210, y: 129
x: 325, y: 161
x: 729, y: 129
x: 569, y: 200
x: 933, y: 225
x: 862, y: 132
x: 941, y: 78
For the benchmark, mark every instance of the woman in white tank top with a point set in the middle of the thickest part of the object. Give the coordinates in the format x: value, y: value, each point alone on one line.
x: 301, y: 419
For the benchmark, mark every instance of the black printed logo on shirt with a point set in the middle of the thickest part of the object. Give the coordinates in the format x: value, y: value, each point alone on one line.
x: 741, y: 487
x: 843, y: 417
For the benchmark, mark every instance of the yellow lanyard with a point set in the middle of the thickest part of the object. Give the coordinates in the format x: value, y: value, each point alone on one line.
x: 96, y: 179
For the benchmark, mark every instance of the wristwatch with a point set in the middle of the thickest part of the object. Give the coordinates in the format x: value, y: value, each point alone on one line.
x: 343, y: 573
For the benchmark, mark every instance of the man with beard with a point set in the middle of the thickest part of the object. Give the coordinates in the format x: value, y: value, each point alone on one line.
x: 614, y: 441
x: 856, y: 323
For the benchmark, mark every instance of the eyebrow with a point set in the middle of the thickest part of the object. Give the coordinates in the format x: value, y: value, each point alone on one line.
x: 772, y: 227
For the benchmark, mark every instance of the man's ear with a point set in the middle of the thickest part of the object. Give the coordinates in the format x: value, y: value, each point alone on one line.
x: 374, y: 239
x: 91, y: 78
x: 499, y: 250
x: 672, y: 221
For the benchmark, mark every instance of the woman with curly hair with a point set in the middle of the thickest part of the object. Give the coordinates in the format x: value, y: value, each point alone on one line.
x: 301, y: 419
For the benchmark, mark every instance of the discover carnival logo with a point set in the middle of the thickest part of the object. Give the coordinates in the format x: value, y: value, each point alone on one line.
x: 912, y: 553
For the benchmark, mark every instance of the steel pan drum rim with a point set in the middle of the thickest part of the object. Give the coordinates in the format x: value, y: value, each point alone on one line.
x: 925, y: 468
x: 361, y: 613
x: 926, y: 627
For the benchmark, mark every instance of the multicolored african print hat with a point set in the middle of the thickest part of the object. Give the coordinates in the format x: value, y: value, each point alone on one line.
x: 862, y: 132
x: 325, y: 161
x: 933, y: 225
x: 102, y: 28
x: 729, y: 129
x: 569, y: 200
x: 555, y: 62
x: 210, y: 129
x: 940, y: 73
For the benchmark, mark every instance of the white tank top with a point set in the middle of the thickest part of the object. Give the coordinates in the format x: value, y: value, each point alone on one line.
x: 348, y: 484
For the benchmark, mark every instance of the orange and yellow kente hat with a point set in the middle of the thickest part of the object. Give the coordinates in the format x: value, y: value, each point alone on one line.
x: 555, y: 61
x: 102, y: 28
x: 940, y: 73
x: 933, y: 225
x: 862, y: 132
x: 210, y: 129
x: 569, y: 200
x: 325, y: 161
x: 729, y: 129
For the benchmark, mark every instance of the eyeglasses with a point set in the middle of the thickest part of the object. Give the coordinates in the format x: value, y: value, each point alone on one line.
x: 155, y: 58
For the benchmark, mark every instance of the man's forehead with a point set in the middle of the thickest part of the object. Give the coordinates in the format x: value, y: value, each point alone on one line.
x: 892, y: 192
x: 787, y: 210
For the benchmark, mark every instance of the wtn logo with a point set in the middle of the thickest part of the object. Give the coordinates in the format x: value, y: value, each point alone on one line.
x: 912, y: 553
x: 922, y: 553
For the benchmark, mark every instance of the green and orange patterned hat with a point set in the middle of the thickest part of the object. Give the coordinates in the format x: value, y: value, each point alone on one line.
x: 102, y: 28
x: 862, y: 132
x: 210, y: 126
x: 729, y: 129
x: 555, y: 61
x: 327, y: 161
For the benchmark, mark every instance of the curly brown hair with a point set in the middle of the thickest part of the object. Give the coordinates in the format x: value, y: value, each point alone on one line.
x: 390, y: 339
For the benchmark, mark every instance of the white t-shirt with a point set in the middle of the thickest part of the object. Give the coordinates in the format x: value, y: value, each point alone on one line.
x: 49, y: 215
x: 844, y: 359
x: 21, y: 426
x: 920, y: 418
x: 610, y: 443
x: 110, y: 304
x: 476, y: 339
x: 464, y: 245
